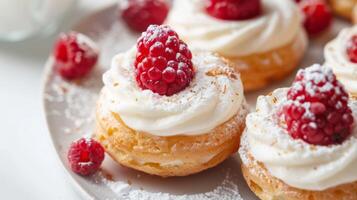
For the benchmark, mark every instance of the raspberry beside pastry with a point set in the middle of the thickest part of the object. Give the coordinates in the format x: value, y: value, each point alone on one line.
x: 168, y: 112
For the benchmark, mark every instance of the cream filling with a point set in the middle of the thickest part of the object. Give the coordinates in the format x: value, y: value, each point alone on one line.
x: 337, y: 59
x: 279, y: 25
x: 209, y: 100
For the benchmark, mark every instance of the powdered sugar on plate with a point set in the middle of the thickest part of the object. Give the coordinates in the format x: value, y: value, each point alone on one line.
x: 80, y: 96
x: 79, y: 99
x: 226, y: 189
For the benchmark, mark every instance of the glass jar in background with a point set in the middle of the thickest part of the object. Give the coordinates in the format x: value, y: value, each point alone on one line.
x: 20, y: 19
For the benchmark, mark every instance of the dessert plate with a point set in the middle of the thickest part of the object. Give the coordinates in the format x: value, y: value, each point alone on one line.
x: 69, y: 109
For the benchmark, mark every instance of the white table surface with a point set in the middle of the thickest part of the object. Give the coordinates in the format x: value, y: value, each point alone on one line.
x: 29, y: 167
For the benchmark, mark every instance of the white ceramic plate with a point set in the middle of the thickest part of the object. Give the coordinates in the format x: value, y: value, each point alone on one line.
x: 69, y: 109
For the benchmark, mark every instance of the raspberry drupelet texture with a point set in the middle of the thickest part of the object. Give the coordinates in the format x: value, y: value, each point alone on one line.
x: 317, y: 109
x: 317, y: 14
x: 163, y: 62
x: 85, y: 156
x: 139, y: 14
x: 234, y: 9
x: 352, y: 49
x: 75, y: 55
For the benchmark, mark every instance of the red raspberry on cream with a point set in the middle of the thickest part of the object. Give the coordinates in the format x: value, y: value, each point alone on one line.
x: 233, y: 9
x: 163, y: 62
x: 317, y: 109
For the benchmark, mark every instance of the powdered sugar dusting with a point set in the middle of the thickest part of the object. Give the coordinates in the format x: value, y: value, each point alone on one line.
x: 226, y: 190
x: 244, y: 146
x: 316, y: 79
x: 75, y: 94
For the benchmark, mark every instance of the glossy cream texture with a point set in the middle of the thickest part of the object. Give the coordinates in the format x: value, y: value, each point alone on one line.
x: 296, y: 162
x: 278, y: 25
x: 206, y: 103
x: 336, y: 58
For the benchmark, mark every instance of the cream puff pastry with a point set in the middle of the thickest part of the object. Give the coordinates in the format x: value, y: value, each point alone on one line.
x: 264, y: 48
x: 301, y: 142
x: 168, y: 134
x: 340, y: 55
x: 354, y: 14
x: 343, y: 8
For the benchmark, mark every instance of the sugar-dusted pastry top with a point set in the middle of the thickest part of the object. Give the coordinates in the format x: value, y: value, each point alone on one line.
x: 213, y: 97
x: 296, y: 162
x: 336, y: 57
x: 279, y: 24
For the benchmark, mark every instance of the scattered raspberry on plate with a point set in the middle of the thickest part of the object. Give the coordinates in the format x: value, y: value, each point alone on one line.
x: 317, y: 110
x: 85, y: 156
x: 163, y: 62
x: 75, y: 55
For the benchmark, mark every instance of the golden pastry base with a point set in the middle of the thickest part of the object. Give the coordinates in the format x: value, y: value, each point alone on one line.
x: 354, y: 15
x: 343, y: 8
x: 259, y: 70
x: 166, y: 156
x: 267, y: 187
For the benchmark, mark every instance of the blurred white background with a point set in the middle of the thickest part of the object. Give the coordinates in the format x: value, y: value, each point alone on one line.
x: 29, y: 167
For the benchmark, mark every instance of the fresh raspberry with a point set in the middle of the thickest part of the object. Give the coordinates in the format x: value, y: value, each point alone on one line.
x: 75, y: 55
x: 352, y: 49
x: 234, y: 9
x: 163, y: 62
x: 318, y: 16
x: 317, y: 109
x: 85, y: 156
x: 139, y: 14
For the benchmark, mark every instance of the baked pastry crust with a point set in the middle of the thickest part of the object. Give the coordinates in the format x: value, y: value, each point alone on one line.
x: 166, y: 156
x: 354, y: 15
x: 259, y: 70
x: 343, y: 8
x: 267, y: 187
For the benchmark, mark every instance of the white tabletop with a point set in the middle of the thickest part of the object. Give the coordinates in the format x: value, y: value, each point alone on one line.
x: 29, y: 167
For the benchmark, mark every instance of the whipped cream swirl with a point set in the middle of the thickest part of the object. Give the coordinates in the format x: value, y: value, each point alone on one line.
x: 213, y: 97
x: 296, y: 162
x: 278, y: 25
x: 337, y: 59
